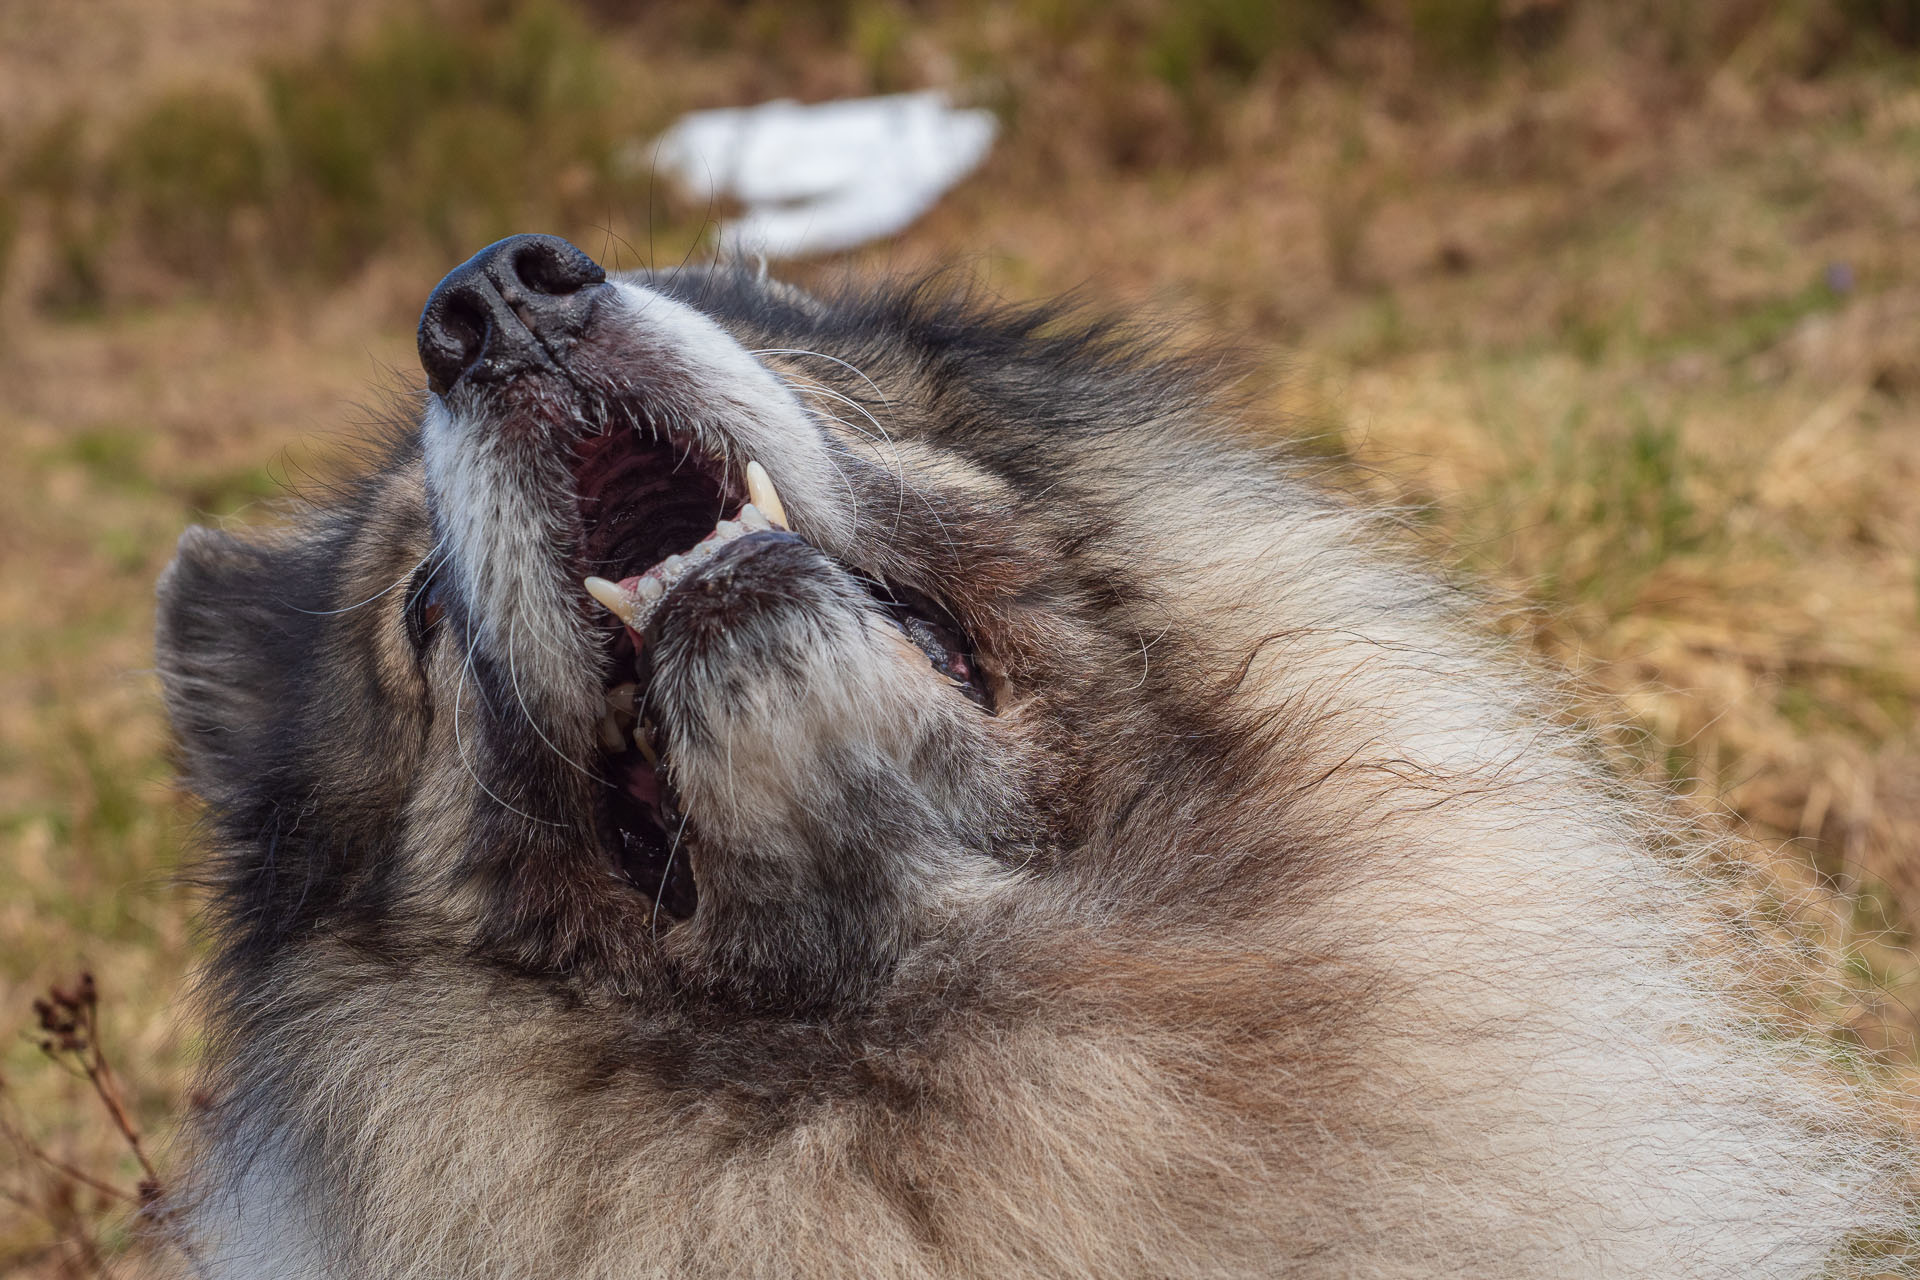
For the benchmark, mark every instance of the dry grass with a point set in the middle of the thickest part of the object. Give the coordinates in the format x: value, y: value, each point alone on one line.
x: 1626, y: 328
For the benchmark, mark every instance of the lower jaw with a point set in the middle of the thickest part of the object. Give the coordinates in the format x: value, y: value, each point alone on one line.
x: 644, y: 831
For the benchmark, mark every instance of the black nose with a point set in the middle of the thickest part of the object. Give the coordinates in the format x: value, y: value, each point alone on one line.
x: 518, y: 304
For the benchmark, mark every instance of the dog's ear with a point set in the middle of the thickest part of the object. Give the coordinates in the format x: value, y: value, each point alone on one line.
x: 230, y: 644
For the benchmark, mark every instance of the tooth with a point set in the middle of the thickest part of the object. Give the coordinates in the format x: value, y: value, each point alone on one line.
x: 729, y: 529
x: 621, y: 697
x: 751, y: 517
x: 619, y: 602
x: 649, y: 589
x: 762, y: 494
x: 672, y: 566
x: 643, y: 742
x: 610, y: 736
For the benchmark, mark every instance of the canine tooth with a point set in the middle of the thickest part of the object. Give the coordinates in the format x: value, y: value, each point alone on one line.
x: 762, y: 494
x: 753, y: 518
x: 643, y: 743
x: 610, y: 736
x: 618, y: 601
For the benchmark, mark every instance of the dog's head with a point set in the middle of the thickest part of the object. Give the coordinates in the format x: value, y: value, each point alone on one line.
x: 708, y: 641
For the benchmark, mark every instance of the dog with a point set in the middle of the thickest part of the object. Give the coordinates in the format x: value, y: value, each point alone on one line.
x: 882, y: 782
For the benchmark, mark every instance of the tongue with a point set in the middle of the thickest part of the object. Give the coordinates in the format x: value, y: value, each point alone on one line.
x: 643, y: 784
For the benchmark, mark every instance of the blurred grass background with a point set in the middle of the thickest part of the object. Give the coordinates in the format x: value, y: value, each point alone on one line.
x: 1615, y: 300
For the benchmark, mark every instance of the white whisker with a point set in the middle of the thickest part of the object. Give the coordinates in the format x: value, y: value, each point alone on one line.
x: 405, y: 577
x: 466, y: 669
x: 851, y: 368
x: 513, y: 679
x: 659, y: 895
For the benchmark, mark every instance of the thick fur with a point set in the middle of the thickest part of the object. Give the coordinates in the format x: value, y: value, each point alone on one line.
x: 1265, y: 927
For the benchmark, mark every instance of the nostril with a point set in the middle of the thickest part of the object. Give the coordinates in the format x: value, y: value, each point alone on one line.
x: 463, y: 324
x: 454, y: 331
x: 554, y: 268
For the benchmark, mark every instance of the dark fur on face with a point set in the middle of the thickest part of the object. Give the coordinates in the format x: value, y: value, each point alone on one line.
x: 1072, y: 849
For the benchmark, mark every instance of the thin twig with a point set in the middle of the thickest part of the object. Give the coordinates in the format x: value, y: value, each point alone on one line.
x: 69, y: 1036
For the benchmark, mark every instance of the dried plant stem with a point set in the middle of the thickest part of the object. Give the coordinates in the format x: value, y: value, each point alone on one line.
x: 101, y: 1076
x: 40, y: 1155
x: 69, y: 1034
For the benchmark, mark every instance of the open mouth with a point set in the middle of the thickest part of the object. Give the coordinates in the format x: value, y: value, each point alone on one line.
x: 644, y: 503
x: 653, y: 510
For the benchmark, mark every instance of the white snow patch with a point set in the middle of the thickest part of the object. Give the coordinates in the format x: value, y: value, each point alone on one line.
x: 819, y: 179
